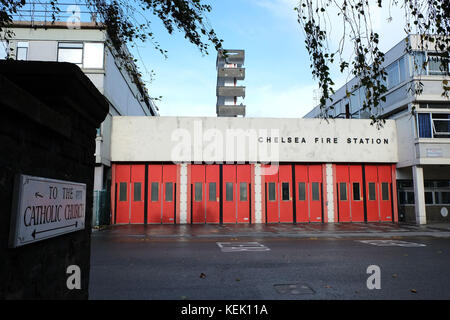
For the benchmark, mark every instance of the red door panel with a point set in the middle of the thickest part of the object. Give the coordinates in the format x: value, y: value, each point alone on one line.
x: 122, y: 175
x: 168, y: 196
x: 198, y: 193
x: 229, y: 193
x: 385, y: 187
x: 372, y: 194
x: 301, y: 185
x: 343, y: 193
x: 243, y: 173
x: 315, y: 193
x: 285, y: 193
x: 154, y: 193
x: 272, y: 196
x: 356, y: 202
x: 212, y: 194
x: 137, y: 187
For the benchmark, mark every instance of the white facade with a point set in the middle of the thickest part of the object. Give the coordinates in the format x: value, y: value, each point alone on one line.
x: 220, y: 140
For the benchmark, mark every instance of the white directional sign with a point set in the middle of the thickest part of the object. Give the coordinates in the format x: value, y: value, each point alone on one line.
x: 44, y: 208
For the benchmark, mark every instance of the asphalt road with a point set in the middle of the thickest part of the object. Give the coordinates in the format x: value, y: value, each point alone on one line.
x: 131, y: 265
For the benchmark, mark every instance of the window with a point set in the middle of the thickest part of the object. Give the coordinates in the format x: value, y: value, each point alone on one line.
x: 385, y: 191
x: 243, y: 191
x: 406, y: 197
x: 22, y: 51
x: 315, y: 191
x: 372, y: 191
x: 301, y: 191
x: 122, y: 191
x: 356, y: 191
x: 272, y: 192
x: 70, y: 52
x: 424, y: 125
x: 137, y: 191
x: 402, y: 64
x: 442, y: 197
x: 212, y: 191
x: 155, y: 191
x: 3, y: 49
x: 418, y: 65
x: 198, y: 191
x: 428, y: 197
x: 354, y: 101
x: 169, y: 191
x: 393, y: 77
x: 343, y: 191
x: 435, y: 64
x: 93, y: 55
x: 229, y: 191
x: 441, y: 125
x: 285, y: 191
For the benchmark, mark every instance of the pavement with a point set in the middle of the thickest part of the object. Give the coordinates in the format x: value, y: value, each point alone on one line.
x: 260, y: 231
x: 270, y: 262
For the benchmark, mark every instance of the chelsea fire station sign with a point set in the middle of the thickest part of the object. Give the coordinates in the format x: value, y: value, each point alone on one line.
x: 44, y: 208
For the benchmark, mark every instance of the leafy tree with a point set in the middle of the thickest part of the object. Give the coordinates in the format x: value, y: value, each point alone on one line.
x: 429, y: 19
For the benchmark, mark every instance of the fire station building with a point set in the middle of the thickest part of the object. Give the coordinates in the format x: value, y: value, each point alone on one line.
x: 197, y: 170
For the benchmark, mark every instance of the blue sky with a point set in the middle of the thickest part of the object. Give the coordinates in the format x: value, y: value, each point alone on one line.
x: 278, y: 79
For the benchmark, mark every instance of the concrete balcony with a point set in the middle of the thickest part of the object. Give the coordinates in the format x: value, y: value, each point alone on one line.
x: 231, y: 56
x: 238, y: 73
x: 230, y: 111
x: 224, y: 91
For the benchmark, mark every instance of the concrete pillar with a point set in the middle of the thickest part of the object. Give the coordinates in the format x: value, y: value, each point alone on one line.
x: 330, y: 191
x: 258, y: 196
x: 98, y: 178
x: 183, y: 193
x: 419, y: 195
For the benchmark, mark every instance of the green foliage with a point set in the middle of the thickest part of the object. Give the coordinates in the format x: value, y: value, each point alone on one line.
x: 430, y: 19
x: 126, y: 23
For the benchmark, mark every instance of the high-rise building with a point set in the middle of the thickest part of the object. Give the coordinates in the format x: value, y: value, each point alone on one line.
x: 229, y: 94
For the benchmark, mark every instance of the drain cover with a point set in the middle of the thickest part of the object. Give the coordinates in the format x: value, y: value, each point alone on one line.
x: 294, y: 288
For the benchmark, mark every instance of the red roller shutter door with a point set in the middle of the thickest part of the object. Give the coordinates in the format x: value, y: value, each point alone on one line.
x: 243, y: 173
x: 137, y: 188
x: 198, y: 193
x: 285, y: 193
x: 356, y: 192
x: 213, y: 195
x: 385, y: 187
x: 372, y: 192
x: 272, y: 196
x: 154, y: 206
x: 315, y: 193
x: 122, y: 177
x: 168, y: 194
x: 343, y: 193
x: 302, y: 192
x: 229, y: 191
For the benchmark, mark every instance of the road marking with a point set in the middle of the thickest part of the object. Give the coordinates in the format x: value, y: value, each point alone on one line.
x: 241, y: 246
x: 392, y: 243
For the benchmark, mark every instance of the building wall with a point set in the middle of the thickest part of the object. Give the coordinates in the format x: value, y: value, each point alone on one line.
x: 251, y: 140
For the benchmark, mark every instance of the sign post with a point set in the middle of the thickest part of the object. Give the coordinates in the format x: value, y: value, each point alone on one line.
x: 45, y: 208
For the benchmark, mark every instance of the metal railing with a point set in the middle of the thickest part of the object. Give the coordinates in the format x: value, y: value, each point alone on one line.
x: 43, y: 12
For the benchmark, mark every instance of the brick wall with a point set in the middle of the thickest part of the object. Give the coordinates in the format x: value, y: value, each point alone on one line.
x: 49, y: 115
